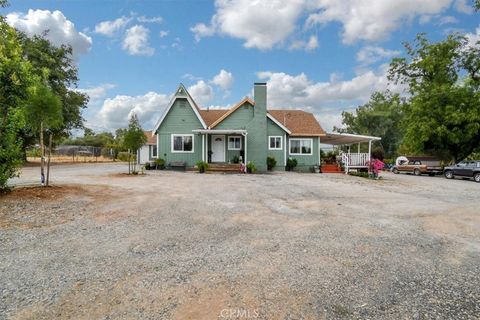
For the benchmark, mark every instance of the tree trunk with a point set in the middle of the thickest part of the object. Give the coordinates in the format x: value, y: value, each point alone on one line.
x: 128, y: 161
x: 49, y: 156
x: 42, y: 155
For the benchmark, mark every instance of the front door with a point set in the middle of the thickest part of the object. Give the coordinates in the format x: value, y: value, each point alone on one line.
x: 218, y: 148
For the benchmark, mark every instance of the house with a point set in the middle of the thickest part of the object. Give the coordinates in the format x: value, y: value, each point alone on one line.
x: 148, y: 152
x: 248, y: 131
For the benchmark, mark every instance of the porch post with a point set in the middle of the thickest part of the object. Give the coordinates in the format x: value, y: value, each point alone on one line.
x: 369, y: 149
x: 245, y: 153
x: 203, y: 147
x: 358, y: 148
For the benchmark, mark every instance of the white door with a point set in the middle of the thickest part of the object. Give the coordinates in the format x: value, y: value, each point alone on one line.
x: 218, y: 148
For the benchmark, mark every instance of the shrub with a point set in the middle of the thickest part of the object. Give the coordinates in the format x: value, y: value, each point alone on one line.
x: 291, y: 164
x: 160, y: 163
x: 251, y: 167
x: 122, y: 156
x: 202, y: 166
x: 359, y: 174
x: 271, y: 163
x: 235, y: 159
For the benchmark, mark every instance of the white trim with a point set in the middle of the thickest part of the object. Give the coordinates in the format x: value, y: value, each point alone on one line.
x: 203, y: 147
x: 182, y: 135
x: 228, y: 143
x: 220, y: 131
x: 285, y: 150
x: 269, y: 116
x: 281, y: 143
x: 172, y: 102
x: 301, y: 154
x: 224, y: 151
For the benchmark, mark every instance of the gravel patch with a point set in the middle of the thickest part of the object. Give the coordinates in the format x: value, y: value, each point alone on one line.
x: 172, y: 245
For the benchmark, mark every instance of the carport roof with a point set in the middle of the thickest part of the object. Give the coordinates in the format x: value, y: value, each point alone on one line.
x: 335, y: 138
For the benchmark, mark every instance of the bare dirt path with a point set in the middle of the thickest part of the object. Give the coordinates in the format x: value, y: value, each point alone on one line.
x: 172, y: 245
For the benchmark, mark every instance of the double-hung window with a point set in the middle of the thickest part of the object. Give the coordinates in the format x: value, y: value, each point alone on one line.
x: 154, y: 151
x: 301, y: 146
x: 275, y: 143
x: 182, y: 143
x: 234, y: 143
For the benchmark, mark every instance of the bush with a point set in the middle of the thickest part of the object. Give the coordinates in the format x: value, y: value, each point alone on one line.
x: 122, y: 156
x: 202, y: 166
x: 359, y: 174
x: 291, y: 164
x: 251, y: 167
x: 236, y: 159
x: 160, y: 163
x: 271, y: 163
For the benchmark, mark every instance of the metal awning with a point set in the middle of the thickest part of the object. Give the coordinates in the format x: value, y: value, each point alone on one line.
x: 220, y: 131
x: 335, y: 138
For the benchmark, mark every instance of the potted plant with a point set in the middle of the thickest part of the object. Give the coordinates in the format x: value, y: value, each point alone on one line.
x: 291, y: 164
x: 271, y: 163
x: 251, y: 167
x: 202, y: 166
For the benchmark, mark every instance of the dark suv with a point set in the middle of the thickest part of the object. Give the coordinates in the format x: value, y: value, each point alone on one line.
x: 464, y: 169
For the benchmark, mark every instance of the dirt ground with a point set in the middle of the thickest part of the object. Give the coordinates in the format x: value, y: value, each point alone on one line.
x: 171, y: 245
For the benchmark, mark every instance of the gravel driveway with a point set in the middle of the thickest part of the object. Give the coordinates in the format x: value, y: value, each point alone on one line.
x: 169, y: 245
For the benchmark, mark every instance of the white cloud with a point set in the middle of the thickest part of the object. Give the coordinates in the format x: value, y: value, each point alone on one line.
x: 473, y: 38
x: 464, y: 6
x: 447, y: 20
x: 309, y: 45
x: 324, y: 99
x: 261, y: 24
x: 371, y: 54
x: 97, y: 93
x: 163, y: 33
x: 201, y: 92
x: 223, y: 79
x: 136, y: 41
x: 109, y: 28
x: 60, y: 30
x: 116, y: 112
x: 373, y: 20
x: 144, y: 19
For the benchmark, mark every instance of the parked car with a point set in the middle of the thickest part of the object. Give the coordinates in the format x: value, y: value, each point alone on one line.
x: 418, y: 165
x: 464, y: 169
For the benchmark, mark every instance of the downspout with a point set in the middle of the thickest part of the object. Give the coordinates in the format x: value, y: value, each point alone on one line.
x: 284, y: 149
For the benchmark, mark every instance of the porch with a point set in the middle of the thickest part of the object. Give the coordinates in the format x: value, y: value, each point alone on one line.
x: 223, y: 147
x: 348, y: 158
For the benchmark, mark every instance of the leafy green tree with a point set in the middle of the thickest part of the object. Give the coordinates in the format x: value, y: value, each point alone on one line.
x: 443, y: 117
x: 134, y: 138
x: 381, y: 116
x: 15, y: 79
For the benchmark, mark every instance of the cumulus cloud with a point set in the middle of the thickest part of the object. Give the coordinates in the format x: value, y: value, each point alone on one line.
x: 163, y: 33
x: 309, y: 45
x: 109, y: 28
x: 144, y: 19
x: 201, y: 92
x: 325, y: 99
x: 261, y: 24
x: 223, y: 79
x: 463, y: 6
x: 371, y: 54
x: 115, y: 112
x: 473, y: 38
x: 136, y: 41
x: 97, y: 93
x: 60, y: 29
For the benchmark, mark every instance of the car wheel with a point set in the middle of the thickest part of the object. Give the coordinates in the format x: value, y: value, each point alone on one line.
x: 476, y: 177
x: 449, y: 174
x: 395, y: 170
x: 417, y: 172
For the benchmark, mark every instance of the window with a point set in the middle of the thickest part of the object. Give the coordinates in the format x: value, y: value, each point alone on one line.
x: 301, y: 146
x: 154, y: 151
x: 234, y: 143
x: 182, y: 142
x: 275, y: 143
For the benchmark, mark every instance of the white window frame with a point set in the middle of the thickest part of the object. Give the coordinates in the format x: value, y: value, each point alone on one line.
x: 301, y: 154
x: 181, y: 135
x: 151, y: 153
x: 228, y: 142
x: 281, y: 143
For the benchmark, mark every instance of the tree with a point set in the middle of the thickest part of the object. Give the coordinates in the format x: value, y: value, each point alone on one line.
x: 443, y: 115
x: 15, y: 79
x: 134, y: 138
x: 44, y: 112
x: 55, y: 65
x: 381, y: 116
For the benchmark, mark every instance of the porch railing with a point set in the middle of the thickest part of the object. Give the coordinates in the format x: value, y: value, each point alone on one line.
x: 355, y: 160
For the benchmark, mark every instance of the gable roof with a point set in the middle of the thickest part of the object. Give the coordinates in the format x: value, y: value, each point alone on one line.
x: 181, y: 93
x: 212, y: 115
x: 231, y: 110
x: 151, y: 137
x: 299, y: 122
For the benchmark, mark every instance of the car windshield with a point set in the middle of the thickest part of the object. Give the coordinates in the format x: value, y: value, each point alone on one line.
x: 461, y: 164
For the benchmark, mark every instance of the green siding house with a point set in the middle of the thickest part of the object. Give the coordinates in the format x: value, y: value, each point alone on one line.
x: 248, y: 131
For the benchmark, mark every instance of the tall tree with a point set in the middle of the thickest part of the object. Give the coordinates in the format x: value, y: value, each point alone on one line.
x: 15, y: 79
x: 443, y: 116
x: 381, y: 116
x: 134, y: 138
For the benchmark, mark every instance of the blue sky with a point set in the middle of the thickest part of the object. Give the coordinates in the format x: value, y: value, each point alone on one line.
x: 322, y: 56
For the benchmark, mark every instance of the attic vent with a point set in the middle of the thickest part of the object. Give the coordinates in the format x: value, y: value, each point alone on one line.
x: 180, y: 90
x: 218, y: 139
